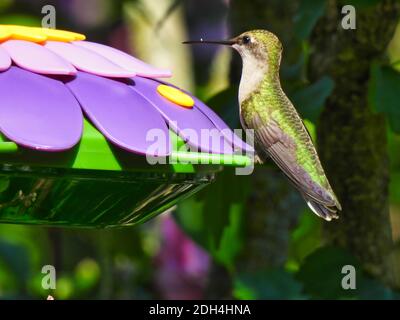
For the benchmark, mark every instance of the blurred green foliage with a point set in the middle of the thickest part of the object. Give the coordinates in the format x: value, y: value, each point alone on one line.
x: 270, y: 284
x: 310, y: 99
x: 214, y: 217
x: 122, y: 263
x: 307, y: 16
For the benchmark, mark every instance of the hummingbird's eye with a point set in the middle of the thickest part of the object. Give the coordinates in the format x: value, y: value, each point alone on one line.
x: 246, y: 39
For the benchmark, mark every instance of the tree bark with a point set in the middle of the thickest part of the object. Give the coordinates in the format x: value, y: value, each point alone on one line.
x: 351, y: 138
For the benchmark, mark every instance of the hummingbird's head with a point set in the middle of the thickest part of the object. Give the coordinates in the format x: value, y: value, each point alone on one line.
x: 259, y: 46
x: 261, y: 52
x: 256, y: 47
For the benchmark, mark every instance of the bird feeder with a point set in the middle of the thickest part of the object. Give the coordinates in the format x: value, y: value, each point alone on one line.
x: 78, y: 121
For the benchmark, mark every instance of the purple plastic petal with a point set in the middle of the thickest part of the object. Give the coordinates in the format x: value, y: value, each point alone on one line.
x: 219, y: 123
x: 38, y: 112
x: 5, y: 60
x: 121, y: 114
x: 125, y: 60
x: 87, y: 60
x: 36, y: 58
x: 191, y: 124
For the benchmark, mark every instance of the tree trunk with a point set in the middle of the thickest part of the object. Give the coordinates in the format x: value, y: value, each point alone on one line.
x: 351, y: 138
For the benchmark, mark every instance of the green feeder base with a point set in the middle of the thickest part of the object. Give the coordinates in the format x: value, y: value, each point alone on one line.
x: 98, y: 185
x: 84, y: 198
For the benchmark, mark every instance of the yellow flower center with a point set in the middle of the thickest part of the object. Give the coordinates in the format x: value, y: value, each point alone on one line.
x: 176, y: 96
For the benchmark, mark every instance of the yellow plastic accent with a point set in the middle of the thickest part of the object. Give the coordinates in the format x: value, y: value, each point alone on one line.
x: 175, y: 95
x: 4, y: 33
x: 34, y: 34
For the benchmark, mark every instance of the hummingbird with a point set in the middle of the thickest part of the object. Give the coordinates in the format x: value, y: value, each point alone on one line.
x: 279, y: 132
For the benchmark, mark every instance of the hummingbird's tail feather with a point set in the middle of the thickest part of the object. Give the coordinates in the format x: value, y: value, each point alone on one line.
x: 323, y: 211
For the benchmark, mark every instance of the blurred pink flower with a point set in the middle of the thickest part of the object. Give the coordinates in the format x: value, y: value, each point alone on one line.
x: 182, y: 266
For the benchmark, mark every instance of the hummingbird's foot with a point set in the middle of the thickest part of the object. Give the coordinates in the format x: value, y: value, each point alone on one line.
x: 257, y: 159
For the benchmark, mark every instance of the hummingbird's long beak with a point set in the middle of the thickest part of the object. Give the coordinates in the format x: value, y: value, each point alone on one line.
x: 221, y: 42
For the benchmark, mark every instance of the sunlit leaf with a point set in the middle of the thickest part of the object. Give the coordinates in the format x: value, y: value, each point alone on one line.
x: 35, y: 286
x: 4, y: 183
x: 305, y: 239
x: 231, y: 238
x: 64, y: 288
x: 87, y: 274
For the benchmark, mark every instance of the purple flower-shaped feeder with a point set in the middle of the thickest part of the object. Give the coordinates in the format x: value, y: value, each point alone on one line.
x: 60, y: 96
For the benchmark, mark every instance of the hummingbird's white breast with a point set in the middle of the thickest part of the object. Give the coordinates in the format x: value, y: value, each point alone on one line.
x: 253, y: 72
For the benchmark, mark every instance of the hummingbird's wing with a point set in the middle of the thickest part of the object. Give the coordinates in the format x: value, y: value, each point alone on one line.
x: 272, y: 141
